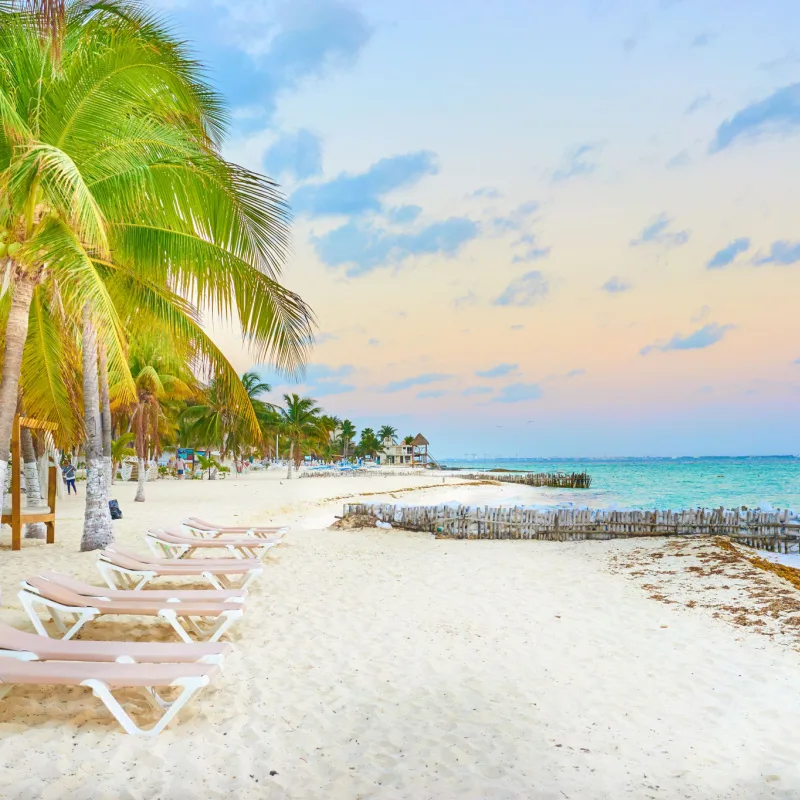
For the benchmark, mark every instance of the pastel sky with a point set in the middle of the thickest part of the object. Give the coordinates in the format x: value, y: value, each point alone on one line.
x: 533, y: 228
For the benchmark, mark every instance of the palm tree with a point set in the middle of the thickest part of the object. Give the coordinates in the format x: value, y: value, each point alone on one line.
x: 159, y: 373
x: 408, y: 439
x: 109, y: 164
x: 300, y: 423
x: 214, y: 422
x: 33, y: 489
x: 388, y: 432
x: 208, y: 462
x: 347, y: 432
x: 266, y: 413
x: 327, y: 446
x: 255, y: 387
x: 97, y: 516
x: 120, y: 450
x: 369, y: 444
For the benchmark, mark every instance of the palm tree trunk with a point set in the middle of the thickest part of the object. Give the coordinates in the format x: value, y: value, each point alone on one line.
x: 33, y: 530
x: 97, y: 530
x: 141, y: 449
x: 141, y: 479
x: 291, y: 459
x: 16, y: 333
x: 105, y: 414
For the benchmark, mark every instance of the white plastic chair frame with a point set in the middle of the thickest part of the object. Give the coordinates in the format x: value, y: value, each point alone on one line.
x: 117, y: 577
x: 189, y: 686
x: 31, y: 600
x: 186, y: 551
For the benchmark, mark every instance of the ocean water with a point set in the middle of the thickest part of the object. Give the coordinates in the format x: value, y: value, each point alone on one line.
x: 765, y: 482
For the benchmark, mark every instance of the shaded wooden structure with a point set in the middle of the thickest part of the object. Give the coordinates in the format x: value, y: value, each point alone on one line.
x: 16, y: 519
x: 419, y: 453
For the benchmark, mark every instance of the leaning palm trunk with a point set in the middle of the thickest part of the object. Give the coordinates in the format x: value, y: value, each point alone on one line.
x: 33, y: 489
x: 97, y: 530
x: 105, y: 415
x: 16, y: 333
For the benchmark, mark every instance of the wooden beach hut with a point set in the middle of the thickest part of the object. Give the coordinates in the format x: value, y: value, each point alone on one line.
x: 19, y: 516
x: 419, y: 453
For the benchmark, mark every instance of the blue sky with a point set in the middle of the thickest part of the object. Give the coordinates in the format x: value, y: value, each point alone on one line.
x: 579, y: 217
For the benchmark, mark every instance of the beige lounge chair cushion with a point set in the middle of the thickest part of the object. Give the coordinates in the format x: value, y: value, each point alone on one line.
x: 184, y: 595
x: 117, y: 676
x: 176, y: 537
x: 136, y: 605
x: 205, y: 525
x: 171, y: 566
x: 147, y: 652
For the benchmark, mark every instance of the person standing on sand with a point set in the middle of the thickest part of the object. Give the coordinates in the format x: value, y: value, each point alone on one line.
x: 68, y: 471
x: 181, y: 466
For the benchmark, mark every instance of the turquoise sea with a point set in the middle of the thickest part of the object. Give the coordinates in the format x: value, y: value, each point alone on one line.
x: 671, y: 483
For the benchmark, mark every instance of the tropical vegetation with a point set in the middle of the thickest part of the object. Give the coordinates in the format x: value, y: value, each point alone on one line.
x: 119, y: 221
x: 118, y: 217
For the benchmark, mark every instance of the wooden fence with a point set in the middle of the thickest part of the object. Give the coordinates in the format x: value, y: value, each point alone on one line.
x: 762, y: 529
x: 560, y: 480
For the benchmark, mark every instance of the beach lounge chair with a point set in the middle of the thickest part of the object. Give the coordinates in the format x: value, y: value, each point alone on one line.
x: 25, y: 646
x: 201, y: 527
x: 105, y: 679
x: 125, y: 569
x: 207, y: 619
x: 175, y: 544
x: 166, y: 595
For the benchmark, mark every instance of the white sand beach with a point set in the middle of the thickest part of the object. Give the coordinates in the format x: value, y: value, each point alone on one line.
x: 386, y: 664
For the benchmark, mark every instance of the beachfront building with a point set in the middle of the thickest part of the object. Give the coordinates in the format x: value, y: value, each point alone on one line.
x: 396, y: 453
x: 414, y: 454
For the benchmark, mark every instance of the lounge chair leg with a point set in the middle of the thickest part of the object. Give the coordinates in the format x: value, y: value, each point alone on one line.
x: 29, y: 601
x: 156, y: 700
x: 121, y: 578
x: 57, y: 621
x: 168, y: 615
x: 81, y: 620
x: 217, y: 582
x: 226, y: 619
x: 254, y: 573
x: 26, y: 600
x: 211, y: 634
x: 190, y: 687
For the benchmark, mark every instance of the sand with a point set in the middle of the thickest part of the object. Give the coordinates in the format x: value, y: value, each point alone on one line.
x: 384, y: 664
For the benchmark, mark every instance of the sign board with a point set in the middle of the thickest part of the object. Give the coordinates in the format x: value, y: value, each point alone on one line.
x: 186, y: 453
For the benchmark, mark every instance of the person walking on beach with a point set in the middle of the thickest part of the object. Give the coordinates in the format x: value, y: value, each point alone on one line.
x: 181, y: 466
x: 68, y: 471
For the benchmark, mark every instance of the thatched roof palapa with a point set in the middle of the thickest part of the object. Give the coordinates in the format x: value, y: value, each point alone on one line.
x: 420, y: 440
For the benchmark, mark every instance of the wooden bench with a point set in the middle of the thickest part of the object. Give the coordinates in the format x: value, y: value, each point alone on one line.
x: 16, y: 519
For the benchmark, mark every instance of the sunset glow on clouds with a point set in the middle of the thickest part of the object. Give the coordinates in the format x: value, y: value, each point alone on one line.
x: 577, y: 220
